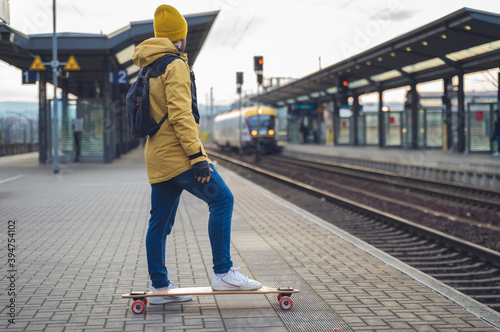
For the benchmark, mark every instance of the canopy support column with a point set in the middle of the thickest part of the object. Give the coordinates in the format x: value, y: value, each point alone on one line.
x: 461, y: 113
x: 381, y: 124
x: 43, y: 142
x: 355, y: 115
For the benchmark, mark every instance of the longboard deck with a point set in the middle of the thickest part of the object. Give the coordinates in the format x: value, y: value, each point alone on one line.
x: 208, y: 291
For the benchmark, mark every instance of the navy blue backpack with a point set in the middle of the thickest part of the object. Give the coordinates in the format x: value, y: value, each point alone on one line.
x: 137, y: 103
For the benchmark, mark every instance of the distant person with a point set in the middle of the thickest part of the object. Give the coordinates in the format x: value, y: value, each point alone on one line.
x: 176, y: 160
x: 77, y: 125
x: 304, y: 131
x: 496, y: 132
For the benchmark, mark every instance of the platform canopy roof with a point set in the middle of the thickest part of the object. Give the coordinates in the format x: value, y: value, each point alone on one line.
x: 467, y: 40
x: 93, y: 51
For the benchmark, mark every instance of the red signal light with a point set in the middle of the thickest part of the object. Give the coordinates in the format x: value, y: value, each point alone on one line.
x: 345, y: 83
x: 258, y: 64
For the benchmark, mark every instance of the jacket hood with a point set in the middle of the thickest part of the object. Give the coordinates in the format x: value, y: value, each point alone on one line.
x: 154, y: 48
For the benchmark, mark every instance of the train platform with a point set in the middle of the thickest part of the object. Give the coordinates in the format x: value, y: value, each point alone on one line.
x: 79, y: 244
x: 471, y: 169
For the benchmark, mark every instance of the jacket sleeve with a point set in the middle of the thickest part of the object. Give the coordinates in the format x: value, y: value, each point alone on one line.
x: 180, y: 115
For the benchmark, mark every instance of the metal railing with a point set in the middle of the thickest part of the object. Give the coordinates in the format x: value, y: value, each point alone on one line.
x: 17, y: 148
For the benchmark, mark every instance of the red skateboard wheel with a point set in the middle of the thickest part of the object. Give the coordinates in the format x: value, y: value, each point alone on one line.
x: 138, y: 307
x: 286, y: 303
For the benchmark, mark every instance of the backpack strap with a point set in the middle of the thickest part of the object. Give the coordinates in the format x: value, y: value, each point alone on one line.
x: 148, y: 72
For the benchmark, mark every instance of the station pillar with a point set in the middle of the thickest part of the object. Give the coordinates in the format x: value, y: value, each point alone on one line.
x: 414, y: 115
x: 66, y: 130
x: 107, y: 126
x: 43, y: 141
x: 461, y: 113
x: 355, y: 115
x: 336, y: 120
x: 381, y: 122
x: 447, y: 116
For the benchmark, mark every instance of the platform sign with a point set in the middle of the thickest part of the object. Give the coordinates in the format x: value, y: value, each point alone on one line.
x: 305, y: 106
x: 37, y: 64
x: 120, y: 77
x: 479, y: 116
x: 29, y: 77
x: 72, y: 64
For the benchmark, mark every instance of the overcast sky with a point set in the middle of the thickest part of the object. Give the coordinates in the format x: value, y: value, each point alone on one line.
x: 291, y: 35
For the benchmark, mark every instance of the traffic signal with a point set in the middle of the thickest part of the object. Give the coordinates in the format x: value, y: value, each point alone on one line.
x: 239, y: 78
x: 258, y: 63
x: 343, y: 90
x: 260, y: 79
x: 343, y: 84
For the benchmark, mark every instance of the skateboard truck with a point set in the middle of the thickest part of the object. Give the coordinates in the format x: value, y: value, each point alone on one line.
x: 284, y: 297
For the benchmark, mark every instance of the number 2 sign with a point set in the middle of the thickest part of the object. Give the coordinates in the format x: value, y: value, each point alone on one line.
x: 120, y: 77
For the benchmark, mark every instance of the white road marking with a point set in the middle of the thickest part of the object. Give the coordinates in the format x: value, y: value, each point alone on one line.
x: 12, y: 178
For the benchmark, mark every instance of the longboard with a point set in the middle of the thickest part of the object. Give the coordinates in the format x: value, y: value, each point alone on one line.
x: 139, y: 305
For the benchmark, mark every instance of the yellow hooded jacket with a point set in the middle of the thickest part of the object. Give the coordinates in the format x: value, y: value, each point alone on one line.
x: 176, y: 146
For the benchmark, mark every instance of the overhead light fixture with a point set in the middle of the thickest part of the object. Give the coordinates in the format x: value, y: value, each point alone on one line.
x: 408, y: 49
x: 359, y: 83
x: 132, y: 69
x: 423, y: 65
x: 393, y: 54
x: 444, y: 36
x: 474, y: 51
x: 380, y: 59
x: 467, y: 27
x: 425, y: 43
x: 125, y: 55
x: 332, y: 90
x: 368, y: 63
x: 386, y: 76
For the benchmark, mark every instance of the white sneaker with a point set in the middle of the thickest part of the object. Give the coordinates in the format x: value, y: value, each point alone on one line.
x: 168, y: 299
x: 496, y: 154
x: 234, y: 281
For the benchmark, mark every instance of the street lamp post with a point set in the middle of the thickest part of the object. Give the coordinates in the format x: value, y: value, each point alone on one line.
x: 55, y: 67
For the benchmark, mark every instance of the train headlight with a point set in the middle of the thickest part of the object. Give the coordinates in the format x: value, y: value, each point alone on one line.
x: 254, y: 132
x: 271, y: 132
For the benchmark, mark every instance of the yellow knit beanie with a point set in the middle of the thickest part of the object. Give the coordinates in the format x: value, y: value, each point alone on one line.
x: 169, y: 23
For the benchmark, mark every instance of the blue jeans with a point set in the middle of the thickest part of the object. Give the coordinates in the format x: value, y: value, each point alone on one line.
x: 494, y: 137
x: 165, y: 198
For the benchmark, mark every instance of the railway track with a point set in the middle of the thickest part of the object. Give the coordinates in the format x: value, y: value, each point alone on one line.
x: 470, y: 268
x: 471, y: 195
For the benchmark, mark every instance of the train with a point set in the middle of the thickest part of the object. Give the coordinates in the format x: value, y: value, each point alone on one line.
x: 237, y: 129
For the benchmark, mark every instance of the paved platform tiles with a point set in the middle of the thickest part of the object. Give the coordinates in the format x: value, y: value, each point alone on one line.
x: 80, y: 245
